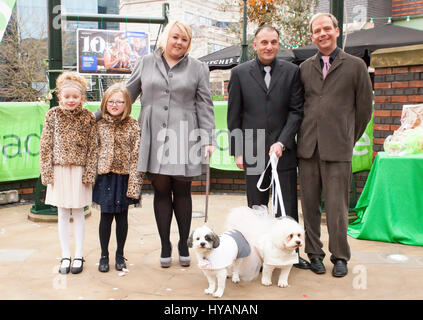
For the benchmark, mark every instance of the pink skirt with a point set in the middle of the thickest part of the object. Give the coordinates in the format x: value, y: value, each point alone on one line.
x: 68, y: 191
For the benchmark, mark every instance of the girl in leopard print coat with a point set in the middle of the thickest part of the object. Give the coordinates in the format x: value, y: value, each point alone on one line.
x: 118, y: 183
x: 68, y: 163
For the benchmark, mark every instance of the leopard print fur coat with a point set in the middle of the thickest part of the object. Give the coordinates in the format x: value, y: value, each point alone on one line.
x: 118, y: 144
x: 68, y: 138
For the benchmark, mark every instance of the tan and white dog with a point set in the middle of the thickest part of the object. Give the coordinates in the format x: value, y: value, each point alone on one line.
x: 275, y: 240
x: 218, y: 256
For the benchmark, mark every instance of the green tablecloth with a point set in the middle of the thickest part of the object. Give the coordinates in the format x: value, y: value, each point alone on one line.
x: 390, y: 208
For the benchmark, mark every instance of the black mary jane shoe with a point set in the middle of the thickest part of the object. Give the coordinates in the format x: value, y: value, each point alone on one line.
x: 103, y: 265
x: 76, y: 270
x: 120, y: 263
x: 64, y: 270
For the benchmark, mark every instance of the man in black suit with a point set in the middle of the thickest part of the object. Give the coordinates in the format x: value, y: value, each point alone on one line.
x: 265, y: 110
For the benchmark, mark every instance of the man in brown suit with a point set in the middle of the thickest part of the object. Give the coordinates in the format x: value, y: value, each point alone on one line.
x: 337, y: 108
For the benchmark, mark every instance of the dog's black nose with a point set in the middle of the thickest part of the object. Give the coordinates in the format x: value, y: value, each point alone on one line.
x: 298, y: 242
x: 202, y: 244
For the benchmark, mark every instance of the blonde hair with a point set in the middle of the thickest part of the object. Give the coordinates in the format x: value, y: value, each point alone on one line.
x: 71, y: 79
x: 115, y: 88
x: 186, y: 29
x: 322, y: 14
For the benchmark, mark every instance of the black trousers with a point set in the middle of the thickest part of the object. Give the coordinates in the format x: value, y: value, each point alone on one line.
x: 288, y: 183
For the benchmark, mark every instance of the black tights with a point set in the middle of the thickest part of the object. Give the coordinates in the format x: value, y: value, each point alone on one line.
x: 106, y: 227
x: 180, y: 204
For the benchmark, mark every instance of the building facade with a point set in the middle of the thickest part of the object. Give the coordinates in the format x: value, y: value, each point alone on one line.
x: 361, y: 14
x: 207, y: 18
x: 405, y: 13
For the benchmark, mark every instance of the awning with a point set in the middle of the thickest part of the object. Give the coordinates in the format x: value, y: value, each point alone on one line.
x: 229, y: 57
x: 363, y: 42
x: 360, y: 43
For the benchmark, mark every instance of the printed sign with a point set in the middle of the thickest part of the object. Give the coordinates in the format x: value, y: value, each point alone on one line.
x: 110, y: 52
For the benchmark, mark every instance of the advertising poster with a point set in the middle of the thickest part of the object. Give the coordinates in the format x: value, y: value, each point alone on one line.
x: 110, y: 52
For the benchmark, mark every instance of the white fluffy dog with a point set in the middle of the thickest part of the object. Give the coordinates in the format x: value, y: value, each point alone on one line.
x: 275, y: 240
x: 217, y: 255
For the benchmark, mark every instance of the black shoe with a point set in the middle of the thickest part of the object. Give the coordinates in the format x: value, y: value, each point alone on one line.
x: 317, y: 266
x: 64, y: 270
x: 120, y: 263
x: 339, y: 268
x: 79, y: 269
x: 302, y: 264
x: 103, y: 265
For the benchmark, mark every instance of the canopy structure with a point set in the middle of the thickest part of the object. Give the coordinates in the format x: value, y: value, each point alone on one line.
x: 360, y: 43
x: 363, y: 42
x: 226, y: 58
x: 229, y: 57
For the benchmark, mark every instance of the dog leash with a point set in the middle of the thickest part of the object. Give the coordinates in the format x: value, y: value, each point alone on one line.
x: 274, y: 183
x: 207, y: 187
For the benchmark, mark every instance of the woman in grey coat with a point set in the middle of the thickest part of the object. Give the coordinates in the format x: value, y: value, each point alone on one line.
x: 177, y: 123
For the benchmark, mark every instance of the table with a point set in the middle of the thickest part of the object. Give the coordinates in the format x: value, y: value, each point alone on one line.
x: 390, y: 208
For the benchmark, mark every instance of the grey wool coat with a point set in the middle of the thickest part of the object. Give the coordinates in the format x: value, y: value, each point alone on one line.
x: 176, y: 118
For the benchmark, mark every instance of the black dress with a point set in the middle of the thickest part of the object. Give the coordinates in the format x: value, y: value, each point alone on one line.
x: 110, y: 192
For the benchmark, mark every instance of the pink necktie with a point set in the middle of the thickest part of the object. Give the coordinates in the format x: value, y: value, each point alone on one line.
x: 326, y: 66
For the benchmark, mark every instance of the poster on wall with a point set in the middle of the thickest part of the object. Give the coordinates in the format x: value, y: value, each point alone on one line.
x: 110, y: 52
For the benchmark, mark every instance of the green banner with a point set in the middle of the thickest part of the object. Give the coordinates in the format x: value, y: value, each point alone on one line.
x: 363, y: 150
x: 20, y: 131
x: 21, y: 125
x: 221, y: 159
x: 6, y: 7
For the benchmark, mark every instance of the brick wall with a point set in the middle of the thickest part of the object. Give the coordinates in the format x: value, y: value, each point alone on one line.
x: 225, y: 89
x: 394, y: 87
x: 25, y: 188
x: 220, y: 182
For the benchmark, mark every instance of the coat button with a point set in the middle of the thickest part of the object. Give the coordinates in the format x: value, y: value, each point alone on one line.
x: 170, y: 74
x: 167, y: 91
x: 164, y: 125
x: 165, y: 107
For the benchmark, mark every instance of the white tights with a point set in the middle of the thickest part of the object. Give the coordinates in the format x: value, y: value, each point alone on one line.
x: 64, y: 231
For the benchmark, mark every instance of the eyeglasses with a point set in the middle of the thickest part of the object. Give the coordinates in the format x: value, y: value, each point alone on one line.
x: 117, y: 103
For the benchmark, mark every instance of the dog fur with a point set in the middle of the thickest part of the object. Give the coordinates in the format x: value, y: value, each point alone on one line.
x: 204, y: 241
x: 275, y: 240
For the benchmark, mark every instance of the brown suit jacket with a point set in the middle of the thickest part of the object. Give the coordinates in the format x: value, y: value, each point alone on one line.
x: 337, y: 109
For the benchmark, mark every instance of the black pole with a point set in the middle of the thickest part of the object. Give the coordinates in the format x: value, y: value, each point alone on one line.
x: 112, y: 18
x: 54, y: 69
x: 244, y: 51
x: 117, y: 18
x: 55, y: 63
x: 337, y: 9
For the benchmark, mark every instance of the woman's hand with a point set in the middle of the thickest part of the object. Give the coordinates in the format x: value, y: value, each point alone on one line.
x: 208, y: 150
x: 239, y: 161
